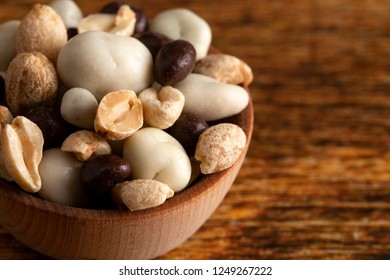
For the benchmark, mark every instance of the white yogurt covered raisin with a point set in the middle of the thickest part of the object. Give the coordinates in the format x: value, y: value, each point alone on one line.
x: 8, y: 42
x: 78, y: 107
x: 60, y: 174
x: 210, y: 99
x: 68, y: 10
x: 154, y: 154
x: 186, y: 25
x: 102, y: 62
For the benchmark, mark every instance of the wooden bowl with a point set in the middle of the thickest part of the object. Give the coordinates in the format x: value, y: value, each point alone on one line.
x: 64, y: 232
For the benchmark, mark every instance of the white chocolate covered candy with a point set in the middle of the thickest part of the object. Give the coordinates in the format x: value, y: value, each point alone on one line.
x: 210, y: 99
x: 102, y: 62
x: 68, y: 10
x: 7, y: 42
x: 154, y: 154
x: 60, y: 172
x: 186, y: 25
x: 78, y: 107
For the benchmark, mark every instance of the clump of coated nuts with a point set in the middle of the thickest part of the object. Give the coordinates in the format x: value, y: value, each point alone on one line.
x: 111, y: 110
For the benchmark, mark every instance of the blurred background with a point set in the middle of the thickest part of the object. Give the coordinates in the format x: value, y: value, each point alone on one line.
x: 316, y: 181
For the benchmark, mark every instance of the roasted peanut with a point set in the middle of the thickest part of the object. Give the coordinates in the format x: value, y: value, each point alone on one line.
x: 219, y: 147
x: 225, y: 68
x: 21, y: 147
x: 161, y: 108
x: 5, y: 115
x: 5, y: 118
x: 141, y: 194
x: 123, y: 23
x: 42, y: 30
x: 119, y: 115
x: 86, y: 143
x: 141, y: 19
x: 31, y: 81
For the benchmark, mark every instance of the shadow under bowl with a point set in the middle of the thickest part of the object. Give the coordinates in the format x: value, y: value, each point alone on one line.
x: 63, y: 232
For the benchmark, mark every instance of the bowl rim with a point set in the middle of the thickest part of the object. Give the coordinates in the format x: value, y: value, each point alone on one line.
x: 194, y: 192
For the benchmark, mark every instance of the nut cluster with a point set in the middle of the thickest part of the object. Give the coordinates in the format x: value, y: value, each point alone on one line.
x: 113, y: 110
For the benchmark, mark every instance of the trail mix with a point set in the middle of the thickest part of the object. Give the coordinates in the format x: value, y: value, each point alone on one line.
x: 113, y: 109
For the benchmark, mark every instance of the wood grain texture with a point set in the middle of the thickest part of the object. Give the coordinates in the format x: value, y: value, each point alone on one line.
x: 316, y: 181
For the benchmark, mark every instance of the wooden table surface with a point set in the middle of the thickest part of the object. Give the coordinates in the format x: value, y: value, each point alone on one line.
x: 316, y: 181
